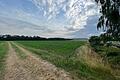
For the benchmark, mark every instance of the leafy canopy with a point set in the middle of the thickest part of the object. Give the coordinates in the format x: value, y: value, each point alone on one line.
x: 110, y: 18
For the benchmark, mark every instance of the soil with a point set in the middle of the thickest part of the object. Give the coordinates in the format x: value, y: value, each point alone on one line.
x: 31, y: 68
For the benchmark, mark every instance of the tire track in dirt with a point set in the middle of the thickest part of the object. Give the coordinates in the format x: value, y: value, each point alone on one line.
x: 14, y: 69
x: 31, y: 68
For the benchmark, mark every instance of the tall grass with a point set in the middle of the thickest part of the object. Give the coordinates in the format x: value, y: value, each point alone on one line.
x: 3, y: 51
x: 63, y: 55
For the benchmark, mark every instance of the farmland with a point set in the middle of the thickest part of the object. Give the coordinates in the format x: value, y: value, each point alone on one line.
x: 2, y: 57
x: 66, y: 60
x: 64, y: 54
x: 62, y: 48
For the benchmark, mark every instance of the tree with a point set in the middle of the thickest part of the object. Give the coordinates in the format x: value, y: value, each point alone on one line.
x: 110, y: 18
x: 105, y: 37
x: 94, y: 40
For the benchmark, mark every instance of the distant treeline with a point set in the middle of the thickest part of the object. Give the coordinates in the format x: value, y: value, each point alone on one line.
x: 18, y: 37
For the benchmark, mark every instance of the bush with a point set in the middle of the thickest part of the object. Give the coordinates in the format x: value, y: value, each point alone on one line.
x: 95, y: 40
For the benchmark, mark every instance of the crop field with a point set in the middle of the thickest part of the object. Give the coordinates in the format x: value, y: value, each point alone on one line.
x: 2, y: 56
x: 63, y: 54
x: 62, y: 48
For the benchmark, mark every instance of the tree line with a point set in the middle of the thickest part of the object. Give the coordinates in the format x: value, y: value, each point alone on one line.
x: 102, y: 39
x: 18, y: 37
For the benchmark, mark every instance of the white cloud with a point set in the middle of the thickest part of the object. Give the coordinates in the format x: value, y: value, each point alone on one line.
x: 75, y: 16
x: 76, y: 11
x: 19, y: 27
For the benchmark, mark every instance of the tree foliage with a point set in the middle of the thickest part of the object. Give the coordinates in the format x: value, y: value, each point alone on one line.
x: 110, y: 18
x: 94, y: 40
x: 18, y: 37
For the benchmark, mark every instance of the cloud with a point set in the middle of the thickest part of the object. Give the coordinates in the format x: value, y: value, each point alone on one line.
x: 50, y: 18
x: 75, y: 11
x: 19, y: 27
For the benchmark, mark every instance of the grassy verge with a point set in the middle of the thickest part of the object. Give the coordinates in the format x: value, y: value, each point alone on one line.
x: 112, y: 54
x: 3, y: 51
x: 63, y: 55
x: 20, y: 53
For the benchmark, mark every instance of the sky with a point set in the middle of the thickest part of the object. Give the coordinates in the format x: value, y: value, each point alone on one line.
x: 49, y: 18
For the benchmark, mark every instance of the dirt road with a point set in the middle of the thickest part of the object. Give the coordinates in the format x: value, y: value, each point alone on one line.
x: 30, y: 68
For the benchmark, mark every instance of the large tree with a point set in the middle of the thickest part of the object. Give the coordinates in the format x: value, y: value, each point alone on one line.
x: 110, y: 17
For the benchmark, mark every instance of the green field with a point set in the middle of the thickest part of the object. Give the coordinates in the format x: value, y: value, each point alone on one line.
x: 63, y: 55
x: 2, y: 57
x: 62, y: 48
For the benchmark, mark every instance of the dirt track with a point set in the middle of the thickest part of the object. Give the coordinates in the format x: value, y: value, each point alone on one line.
x: 30, y: 68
